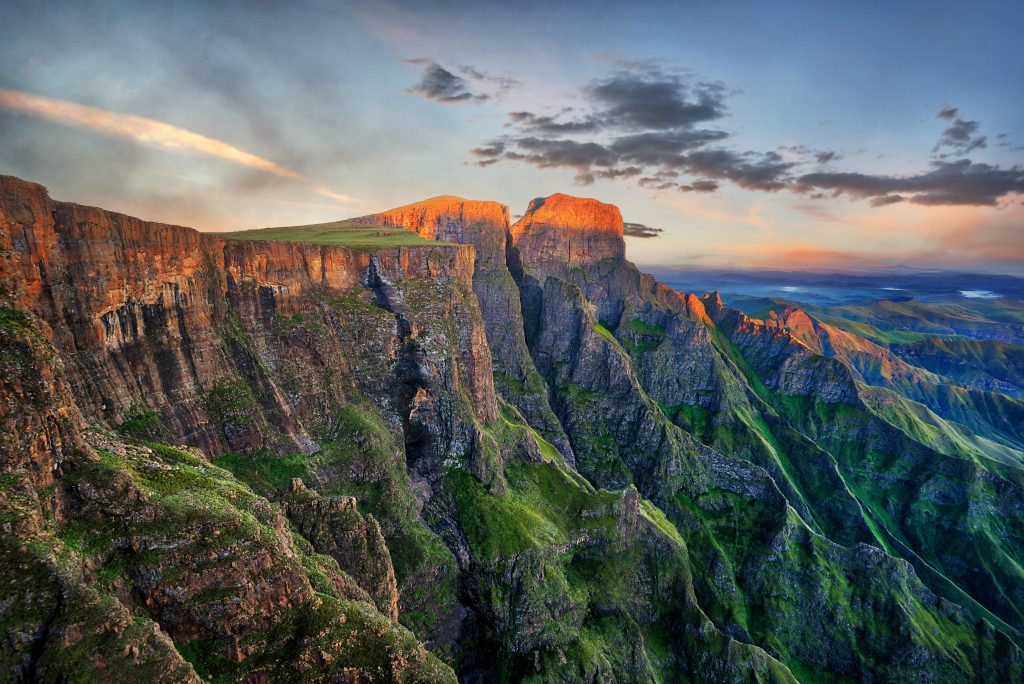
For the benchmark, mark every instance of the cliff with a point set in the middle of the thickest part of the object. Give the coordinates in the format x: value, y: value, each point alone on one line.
x: 140, y: 312
x: 569, y: 231
x: 485, y: 225
x: 245, y: 459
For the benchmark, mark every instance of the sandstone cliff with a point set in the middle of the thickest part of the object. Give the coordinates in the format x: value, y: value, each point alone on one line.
x: 569, y: 231
x: 716, y: 498
x: 139, y: 311
x: 485, y: 225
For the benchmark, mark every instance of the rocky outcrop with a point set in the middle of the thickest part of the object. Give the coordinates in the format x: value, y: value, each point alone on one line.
x: 150, y: 317
x: 335, y: 527
x: 782, y: 360
x: 39, y: 419
x: 485, y: 225
x: 568, y: 231
x: 482, y: 224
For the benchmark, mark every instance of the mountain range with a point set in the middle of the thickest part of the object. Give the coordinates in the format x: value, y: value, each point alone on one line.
x: 431, y: 445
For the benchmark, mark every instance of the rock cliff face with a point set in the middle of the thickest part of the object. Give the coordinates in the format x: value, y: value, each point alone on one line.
x: 516, y: 451
x: 567, y: 230
x: 485, y: 225
x: 139, y: 311
x: 729, y: 379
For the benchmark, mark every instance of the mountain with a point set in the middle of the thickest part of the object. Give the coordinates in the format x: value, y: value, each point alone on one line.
x: 428, y: 445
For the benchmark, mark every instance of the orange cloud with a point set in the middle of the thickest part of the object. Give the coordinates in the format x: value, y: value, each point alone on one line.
x: 795, y: 254
x: 151, y: 132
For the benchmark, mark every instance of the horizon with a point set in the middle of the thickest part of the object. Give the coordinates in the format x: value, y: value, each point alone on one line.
x: 839, y: 152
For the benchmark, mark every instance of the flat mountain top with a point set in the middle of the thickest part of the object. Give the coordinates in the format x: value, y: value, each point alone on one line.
x: 340, y: 234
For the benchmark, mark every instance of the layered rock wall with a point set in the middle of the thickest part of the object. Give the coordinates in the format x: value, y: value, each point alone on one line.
x: 157, y: 318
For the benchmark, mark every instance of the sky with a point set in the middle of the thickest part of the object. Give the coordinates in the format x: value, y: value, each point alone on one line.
x: 812, y: 135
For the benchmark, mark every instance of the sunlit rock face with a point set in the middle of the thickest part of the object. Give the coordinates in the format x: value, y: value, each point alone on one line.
x: 485, y: 226
x: 482, y: 224
x: 569, y: 230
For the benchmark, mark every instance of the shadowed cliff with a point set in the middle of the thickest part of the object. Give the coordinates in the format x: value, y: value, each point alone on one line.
x: 542, y: 463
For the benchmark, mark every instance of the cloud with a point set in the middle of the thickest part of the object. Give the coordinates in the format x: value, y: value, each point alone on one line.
x: 662, y: 147
x: 640, y: 230
x: 502, y: 83
x: 658, y: 128
x: 956, y: 182
x: 700, y: 186
x: 885, y: 200
x: 650, y: 99
x: 440, y: 85
x: 750, y: 170
x: 642, y: 122
x: 547, y: 125
x: 151, y: 132
x: 960, y: 136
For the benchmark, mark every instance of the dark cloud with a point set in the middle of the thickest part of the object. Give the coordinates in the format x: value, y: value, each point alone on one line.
x: 884, y: 200
x: 492, y: 149
x: 702, y: 185
x: 959, y: 138
x: 639, y: 230
x: 956, y: 182
x: 653, y: 100
x: 748, y: 170
x: 439, y: 84
x: 641, y: 122
x: 547, y: 125
x: 655, y: 183
x: 655, y: 127
x: 661, y: 147
x: 644, y: 98
x: 548, y: 153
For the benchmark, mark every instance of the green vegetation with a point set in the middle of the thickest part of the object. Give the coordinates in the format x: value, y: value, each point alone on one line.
x: 144, y: 424
x: 209, y: 523
x: 340, y: 234
x: 605, y: 333
x: 642, y: 327
x: 909, y: 321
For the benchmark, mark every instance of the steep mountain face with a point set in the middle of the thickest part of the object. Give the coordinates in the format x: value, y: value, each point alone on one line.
x: 648, y: 322
x: 485, y: 226
x: 984, y: 365
x: 503, y: 456
x: 988, y: 414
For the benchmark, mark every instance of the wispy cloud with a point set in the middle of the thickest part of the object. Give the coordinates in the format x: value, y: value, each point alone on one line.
x: 151, y: 132
x: 441, y: 85
x: 640, y: 230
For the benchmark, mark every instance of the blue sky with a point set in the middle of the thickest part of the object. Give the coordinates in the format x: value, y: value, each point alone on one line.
x: 325, y: 93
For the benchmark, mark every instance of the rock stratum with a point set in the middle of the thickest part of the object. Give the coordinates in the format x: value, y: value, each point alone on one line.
x: 503, y: 455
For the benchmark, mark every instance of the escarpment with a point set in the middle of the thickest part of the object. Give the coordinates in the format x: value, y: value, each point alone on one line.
x: 485, y: 225
x: 503, y: 455
x: 156, y: 318
x: 571, y: 231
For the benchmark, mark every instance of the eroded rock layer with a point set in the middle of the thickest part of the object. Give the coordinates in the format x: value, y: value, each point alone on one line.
x: 504, y: 456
